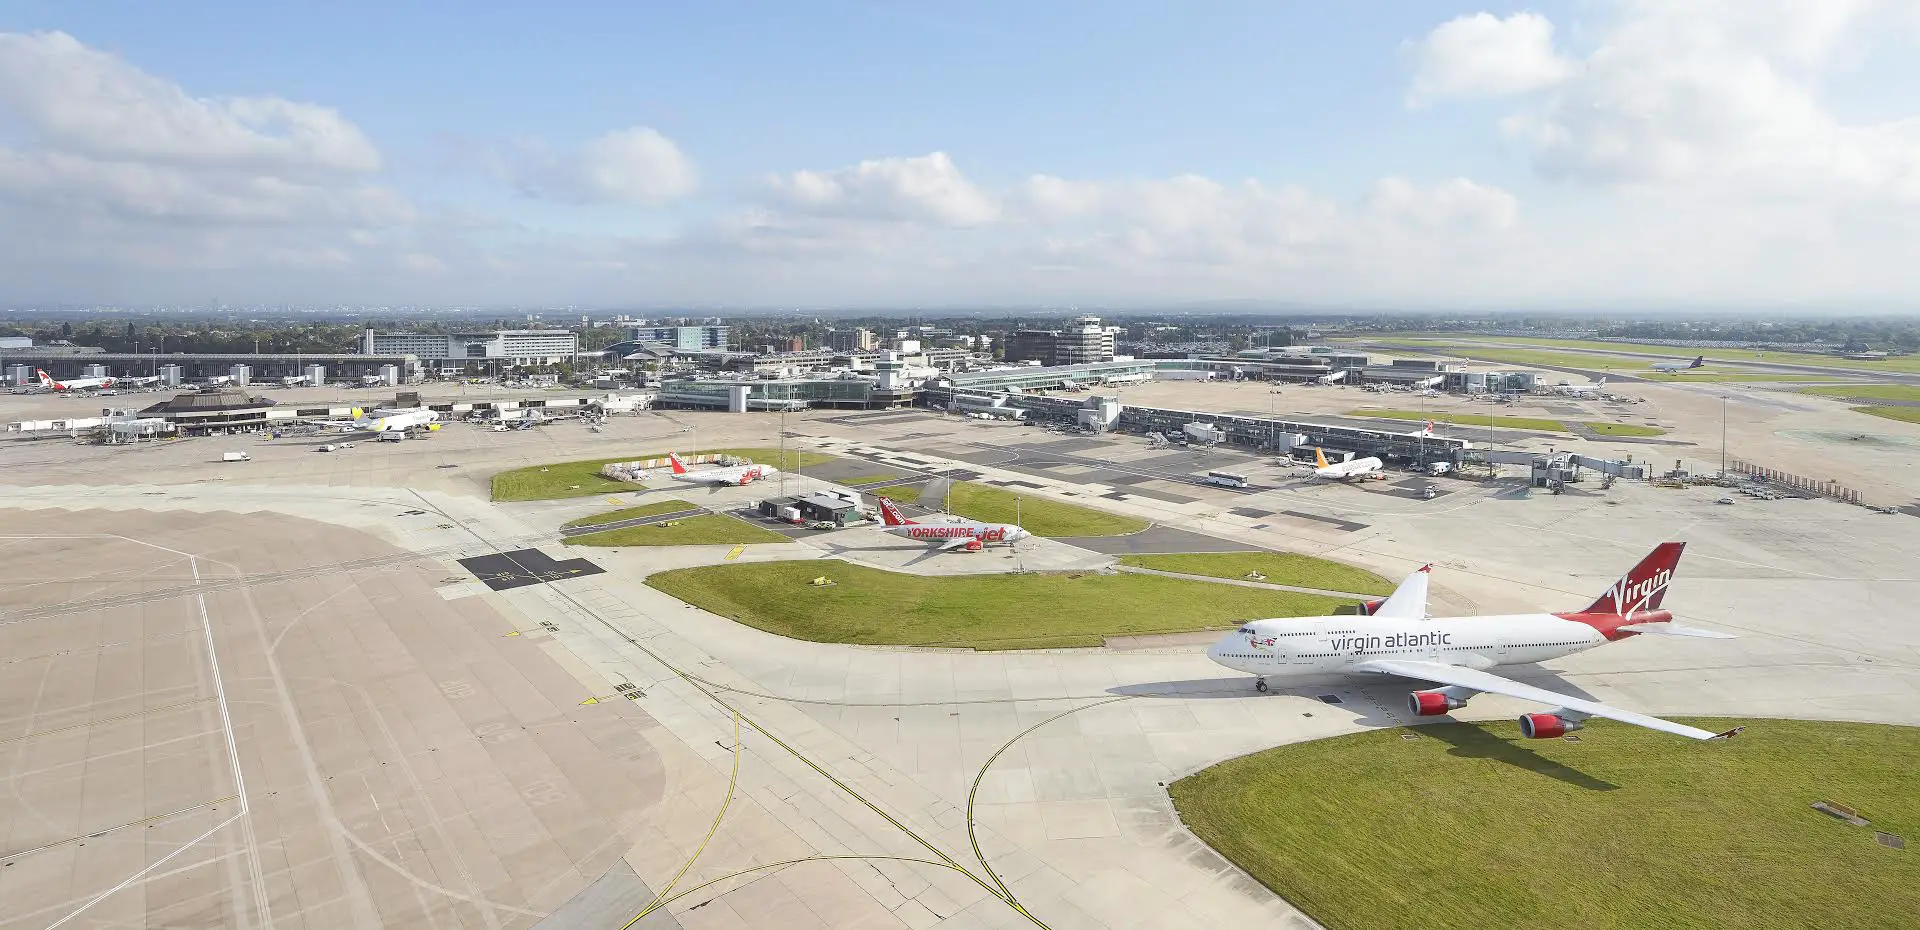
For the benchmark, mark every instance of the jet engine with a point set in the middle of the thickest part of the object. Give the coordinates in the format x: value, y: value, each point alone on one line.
x: 1547, y: 726
x: 973, y: 545
x: 1437, y: 701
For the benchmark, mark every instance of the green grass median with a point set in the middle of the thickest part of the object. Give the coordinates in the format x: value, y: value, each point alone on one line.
x: 1279, y: 568
x: 632, y: 513
x: 1468, y: 825
x: 560, y: 480
x: 1029, y: 611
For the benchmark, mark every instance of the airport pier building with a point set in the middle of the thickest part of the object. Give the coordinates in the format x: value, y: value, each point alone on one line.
x: 201, y: 366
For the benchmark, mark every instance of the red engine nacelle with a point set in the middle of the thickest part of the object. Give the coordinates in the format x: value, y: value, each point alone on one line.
x: 1547, y: 726
x: 1369, y: 607
x: 1433, y: 703
x: 973, y: 545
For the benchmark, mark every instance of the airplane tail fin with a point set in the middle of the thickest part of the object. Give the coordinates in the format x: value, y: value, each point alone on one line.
x: 356, y: 413
x: 1319, y: 458
x: 890, y: 514
x: 678, y: 468
x: 45, y: 378
x: 1644, y: 586
x: 1428, y: 431
x: 1698, y: 361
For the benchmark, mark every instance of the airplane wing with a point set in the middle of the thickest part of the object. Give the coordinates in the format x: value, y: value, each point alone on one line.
x: 958, y: 542
x: 1477, y: 680
x: 1409, y: 601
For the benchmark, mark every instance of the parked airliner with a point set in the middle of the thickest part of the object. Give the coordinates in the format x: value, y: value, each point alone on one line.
x: 1398, y: 639
x: 968, y: 535
x: 728, y: 474
x: 77, y: 384
x: 1352, y: 468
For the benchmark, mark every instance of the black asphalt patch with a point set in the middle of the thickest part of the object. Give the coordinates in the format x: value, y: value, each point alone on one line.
x: 1344, y: 525
x: 521, y: 567
x: 1250, y: 512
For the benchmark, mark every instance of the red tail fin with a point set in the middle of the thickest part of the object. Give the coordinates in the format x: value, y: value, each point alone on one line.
x: 890, y: 514
x: 678, y: 468
x: 1644, y: 586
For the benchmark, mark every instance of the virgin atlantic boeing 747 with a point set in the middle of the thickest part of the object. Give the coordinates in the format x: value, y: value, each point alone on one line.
x: 1397, y: 638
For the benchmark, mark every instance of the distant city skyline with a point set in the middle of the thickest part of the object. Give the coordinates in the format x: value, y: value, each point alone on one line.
x: 1692, y: 155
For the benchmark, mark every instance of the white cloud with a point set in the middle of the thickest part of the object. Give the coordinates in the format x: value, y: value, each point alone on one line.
x: 628, y: 166
x: 1725, y: 94
x: 111, y: 173
x: 87, y: 102
x: 925, y: 188
x: 1482, y: 54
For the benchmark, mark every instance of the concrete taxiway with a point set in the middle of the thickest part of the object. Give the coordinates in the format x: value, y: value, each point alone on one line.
x: 279, y: 699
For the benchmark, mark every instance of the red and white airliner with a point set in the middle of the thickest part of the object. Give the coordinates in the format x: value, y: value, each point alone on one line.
x: 77, y: 384
x: 968, y: 535
x: 738, y: 475
x: 1397, y: 638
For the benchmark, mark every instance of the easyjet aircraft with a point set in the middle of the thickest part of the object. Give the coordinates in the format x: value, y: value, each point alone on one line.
x: 1398, y: 639
x: 730, y: 474
x: 970, y: 535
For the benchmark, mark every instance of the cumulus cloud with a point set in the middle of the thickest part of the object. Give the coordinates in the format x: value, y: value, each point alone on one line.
x: 1724, y: 94
x: 109, y: 168
x: 924, y: 188
x: 87, y: 102
x: 1483, y: 54
x: 636, y: 166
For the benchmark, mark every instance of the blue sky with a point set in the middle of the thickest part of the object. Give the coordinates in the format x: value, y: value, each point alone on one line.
x: 1540, y: 111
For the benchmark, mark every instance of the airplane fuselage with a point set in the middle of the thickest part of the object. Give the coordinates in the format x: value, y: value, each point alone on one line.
x: 948, y: 532
x: 735, y: 475
x: 1357, y: 468
x: 1322, y: 645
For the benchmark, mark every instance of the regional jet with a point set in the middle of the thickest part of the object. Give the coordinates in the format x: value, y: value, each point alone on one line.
x: 962, y: 535
x: 738, y: 475
x: 1674, y: 368
x: 1396, y: 638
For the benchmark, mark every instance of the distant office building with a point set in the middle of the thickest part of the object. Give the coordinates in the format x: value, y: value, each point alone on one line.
x: 858, y: 339
x: 1083, y: 342
x: 683, y: 338
x: 453, y: 350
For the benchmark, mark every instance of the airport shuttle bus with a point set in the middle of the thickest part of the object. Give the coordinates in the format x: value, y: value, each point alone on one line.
x: 1225, y: 479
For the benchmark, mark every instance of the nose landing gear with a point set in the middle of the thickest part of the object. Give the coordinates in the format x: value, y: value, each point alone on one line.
x: 1260, y: 685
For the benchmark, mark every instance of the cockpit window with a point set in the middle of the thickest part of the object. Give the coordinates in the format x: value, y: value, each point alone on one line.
x: 1247, y: 630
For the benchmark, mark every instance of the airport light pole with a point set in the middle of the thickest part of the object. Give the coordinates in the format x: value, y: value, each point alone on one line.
x: 1723, y: 437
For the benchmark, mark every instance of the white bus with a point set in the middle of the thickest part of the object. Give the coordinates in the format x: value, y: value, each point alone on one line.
x: 1226, y: 479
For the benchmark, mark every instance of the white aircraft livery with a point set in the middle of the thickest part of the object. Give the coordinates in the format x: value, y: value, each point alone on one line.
x: 1674, y: 368
x: 1397, y: 638
x: 1352, y: 468
x: 77, y: 384
x: 732, y: 474
x: 967, y: 535
x: 388, y: 421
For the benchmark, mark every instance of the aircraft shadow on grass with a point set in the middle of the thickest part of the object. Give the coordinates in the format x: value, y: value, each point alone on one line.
x: 1379, y: 704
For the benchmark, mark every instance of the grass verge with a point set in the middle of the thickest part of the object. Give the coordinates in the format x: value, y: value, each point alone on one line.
x: 1039, y: 515
x: 1528, y: 423
x: 1628, y: 828
x: 632, y: 513
x: 1906, y: 392
x: 710, y: 529
x: 873, y: 607
x: 1279, y: 567
x: 561, y: 480
x: 1903, y: 414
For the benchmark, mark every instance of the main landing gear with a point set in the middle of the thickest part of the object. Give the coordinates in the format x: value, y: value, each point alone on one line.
x: 1260, y: 685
